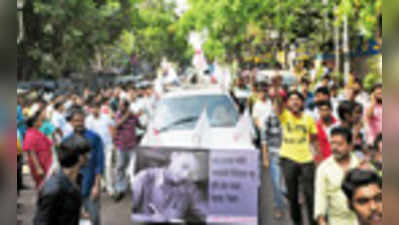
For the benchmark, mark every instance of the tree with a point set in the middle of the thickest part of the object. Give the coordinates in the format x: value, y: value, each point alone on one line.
x: 65, y: 36
x: 239, y: 26
x: 364, y: 15
x: 154, y: 33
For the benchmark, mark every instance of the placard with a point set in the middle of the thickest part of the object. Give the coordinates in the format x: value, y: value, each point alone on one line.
x: 176, y: 185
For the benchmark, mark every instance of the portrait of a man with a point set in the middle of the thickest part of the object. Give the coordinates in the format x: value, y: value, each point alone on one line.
x: 169, y: 193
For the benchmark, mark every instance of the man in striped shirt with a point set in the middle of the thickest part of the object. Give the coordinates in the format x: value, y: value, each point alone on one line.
x: 271, y: 139
x: 125, y: 140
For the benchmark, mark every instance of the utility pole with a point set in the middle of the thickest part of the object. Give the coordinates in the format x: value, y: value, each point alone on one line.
x: 20, y: 7
x: 336, y: 38
x: 336, y: 43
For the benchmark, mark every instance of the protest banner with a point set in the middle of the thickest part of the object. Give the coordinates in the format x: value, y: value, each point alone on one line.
x: 182, y: 185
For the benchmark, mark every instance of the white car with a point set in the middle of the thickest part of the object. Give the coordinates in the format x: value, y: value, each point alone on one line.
x: 176, y: 121
x: 200, y: 118
x: 266, y: 76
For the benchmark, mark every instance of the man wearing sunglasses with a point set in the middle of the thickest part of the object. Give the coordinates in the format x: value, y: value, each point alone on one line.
x: 363, y: 189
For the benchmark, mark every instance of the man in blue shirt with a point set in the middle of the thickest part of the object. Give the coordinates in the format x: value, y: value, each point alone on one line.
x: 309, y: 97
x: 92, y: 172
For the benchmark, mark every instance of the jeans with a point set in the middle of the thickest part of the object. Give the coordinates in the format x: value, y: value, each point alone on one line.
x: 92, y: 207
x: 125, y: 165
x: 296, y: 174
x: 55, y: 165
x: 275, y: 172
x: 19, y: 174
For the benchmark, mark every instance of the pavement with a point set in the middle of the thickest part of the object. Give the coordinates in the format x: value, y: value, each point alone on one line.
x: 119, y: 213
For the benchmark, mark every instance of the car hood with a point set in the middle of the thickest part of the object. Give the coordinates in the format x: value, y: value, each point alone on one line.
x: 215, y: 139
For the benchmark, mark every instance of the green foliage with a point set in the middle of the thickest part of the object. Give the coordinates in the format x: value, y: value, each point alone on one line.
x: 363, y: 13
x: 375, y: 74
x: 65, y: 36
x: 155, y: 35
x: 243, y: 27
x: 76, y: 35
x: 370, y: 80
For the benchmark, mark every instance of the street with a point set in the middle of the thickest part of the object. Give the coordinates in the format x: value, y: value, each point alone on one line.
x: 118, y: 213
x: 171, y: 111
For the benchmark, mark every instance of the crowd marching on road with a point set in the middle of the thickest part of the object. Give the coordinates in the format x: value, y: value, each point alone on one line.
x: 320, y: 141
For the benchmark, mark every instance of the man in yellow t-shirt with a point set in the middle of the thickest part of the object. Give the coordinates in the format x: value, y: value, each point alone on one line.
x: 299, y: 134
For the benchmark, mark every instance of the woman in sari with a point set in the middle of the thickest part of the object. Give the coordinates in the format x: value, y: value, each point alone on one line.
x: 38, y: 148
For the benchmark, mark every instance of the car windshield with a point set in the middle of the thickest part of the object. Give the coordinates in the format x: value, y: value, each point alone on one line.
x: 182, y: 113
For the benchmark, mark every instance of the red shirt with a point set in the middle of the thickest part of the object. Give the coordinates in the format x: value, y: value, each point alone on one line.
x: 281, y: 92
x: 324, y: 143
x: 40, y: 144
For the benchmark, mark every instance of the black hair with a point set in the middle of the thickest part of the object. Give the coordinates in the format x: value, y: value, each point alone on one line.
x: 74, y: 110
x: 125, y: 103
x: 33, y: 119
x: 358, y: 81
x: 377, y: 140
x: 263, y: 86
x: 344, y: 108
x: 343, y: 131
x: 376, y: 86
x: 57, y: 105
x: 70, y: 150
x: 327, y: 76
x: 304, y: 80
x: 324, y: 103
x: 297, y: 93
x: 357, y: 178
x: 104, y: 100
x: 322, y: 90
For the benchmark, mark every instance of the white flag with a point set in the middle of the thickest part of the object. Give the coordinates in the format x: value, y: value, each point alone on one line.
x: 244, y: 129
x: 201, y: 130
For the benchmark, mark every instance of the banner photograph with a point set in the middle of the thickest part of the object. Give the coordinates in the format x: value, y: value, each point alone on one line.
x: 176, y: 185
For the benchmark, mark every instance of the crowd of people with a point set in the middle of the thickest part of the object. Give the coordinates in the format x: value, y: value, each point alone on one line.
x: 111, y: 121
x: 320, y: 140
x: 314, y: 137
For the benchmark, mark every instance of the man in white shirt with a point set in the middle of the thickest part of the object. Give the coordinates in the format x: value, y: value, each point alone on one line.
x: 63, y: 129
x: 334, y: 97
x: 262, y: 108
x: 330, y: 201
x: 356, y: 93
x: 103, y: 125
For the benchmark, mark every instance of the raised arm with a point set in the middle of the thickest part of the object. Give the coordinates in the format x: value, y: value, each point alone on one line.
x: 278, y: 101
